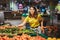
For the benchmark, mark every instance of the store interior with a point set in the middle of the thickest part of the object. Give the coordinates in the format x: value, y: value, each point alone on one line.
x: 13, y: 13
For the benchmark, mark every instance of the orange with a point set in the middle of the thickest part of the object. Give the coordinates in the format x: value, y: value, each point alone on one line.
x: 54, y: 39
x: 49, y: 38
x: 58, y: 38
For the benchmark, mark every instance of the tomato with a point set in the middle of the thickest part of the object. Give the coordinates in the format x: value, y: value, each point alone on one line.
x: 10, y: 38
x: 17, y: 37
x: 0, y: 38
x: 32, y: 38
x: 5, y: 38
x: 38, y: 38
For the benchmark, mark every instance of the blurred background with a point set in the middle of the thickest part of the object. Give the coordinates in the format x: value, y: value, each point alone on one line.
x: 14, y: 11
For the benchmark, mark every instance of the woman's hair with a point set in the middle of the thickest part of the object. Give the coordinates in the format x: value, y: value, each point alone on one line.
x: 35, y: 12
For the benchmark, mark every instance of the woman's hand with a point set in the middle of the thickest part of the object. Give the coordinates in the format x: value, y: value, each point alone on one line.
x: 42, y: 29
x: 20, y: 25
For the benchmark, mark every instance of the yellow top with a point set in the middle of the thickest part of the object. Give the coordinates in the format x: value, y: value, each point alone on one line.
x: 34, y: 22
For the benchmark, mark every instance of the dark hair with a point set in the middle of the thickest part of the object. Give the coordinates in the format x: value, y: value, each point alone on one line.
x: 35, y: 13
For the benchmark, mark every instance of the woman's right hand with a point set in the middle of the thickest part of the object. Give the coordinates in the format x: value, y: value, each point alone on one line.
x: 20, y: 25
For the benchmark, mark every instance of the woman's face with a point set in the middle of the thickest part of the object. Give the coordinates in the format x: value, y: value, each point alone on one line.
x: 32, y: 10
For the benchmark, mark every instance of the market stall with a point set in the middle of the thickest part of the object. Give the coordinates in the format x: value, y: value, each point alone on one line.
x: 20, y: 33
x: 13, y: 9
x: 10, y: 32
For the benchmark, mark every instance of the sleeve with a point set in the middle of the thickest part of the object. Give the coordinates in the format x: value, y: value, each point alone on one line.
x: 40, y: 18
x: 27, y: 19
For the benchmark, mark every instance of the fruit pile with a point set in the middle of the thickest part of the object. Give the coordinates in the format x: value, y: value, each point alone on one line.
x: 22, y: 37
x: 50, y: 38
x: 9, y: 30
x: 13, y: 30
x: 18, y: 33
x: 26, y: 31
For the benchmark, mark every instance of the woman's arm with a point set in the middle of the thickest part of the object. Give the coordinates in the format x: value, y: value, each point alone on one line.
x: 24, y: 22
x: 42, y: 23
x: 42, y: 27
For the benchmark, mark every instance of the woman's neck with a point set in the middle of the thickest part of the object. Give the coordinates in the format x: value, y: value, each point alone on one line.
x: 32, y: 14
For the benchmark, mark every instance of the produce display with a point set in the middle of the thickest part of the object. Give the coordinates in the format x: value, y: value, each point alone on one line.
x: 18, y: 33
x: 50, y: 38
x: 9, y: 30
x: 12, y: 31
x: 25, y: 37
x: 4, y: 30
x: 27, y: 31
x: 22, y: 37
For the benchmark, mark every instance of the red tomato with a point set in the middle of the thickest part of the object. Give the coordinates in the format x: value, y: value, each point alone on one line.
x: 38, y: 38
x: 17, y: 37
x: 5, y: 38
x: 43, y: 39
x: 0, y: 38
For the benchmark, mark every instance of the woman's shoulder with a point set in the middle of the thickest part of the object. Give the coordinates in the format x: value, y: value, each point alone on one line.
x: 28, y: 16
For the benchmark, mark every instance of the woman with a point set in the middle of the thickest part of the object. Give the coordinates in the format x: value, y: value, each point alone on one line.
x: 34, y: 19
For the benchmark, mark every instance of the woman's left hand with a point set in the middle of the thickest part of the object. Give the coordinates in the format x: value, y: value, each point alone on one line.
x: 42, y: 29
